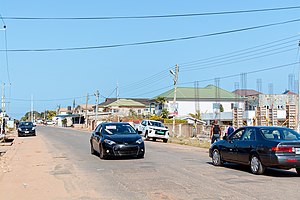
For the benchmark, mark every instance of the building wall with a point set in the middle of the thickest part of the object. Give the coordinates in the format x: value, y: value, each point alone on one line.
x: 186, y: 107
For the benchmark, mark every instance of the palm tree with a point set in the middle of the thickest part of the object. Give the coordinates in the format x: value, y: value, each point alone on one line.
x: 161, y: 101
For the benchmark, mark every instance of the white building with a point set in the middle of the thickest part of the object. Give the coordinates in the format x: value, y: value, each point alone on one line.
x: 211, y: 102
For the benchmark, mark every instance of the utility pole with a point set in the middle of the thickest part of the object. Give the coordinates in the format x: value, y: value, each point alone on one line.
x: 86, y: 105
x: 97, y: 102
x: 32, y: 117
x: 117, y: 91
x: 2, y: 109
x: 298, y: 127
x: 175, y: 78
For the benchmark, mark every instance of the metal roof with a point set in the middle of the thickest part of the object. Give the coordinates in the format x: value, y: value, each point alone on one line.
x: 208, y: 92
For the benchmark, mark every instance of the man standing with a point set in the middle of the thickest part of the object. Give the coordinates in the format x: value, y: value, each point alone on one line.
x: 230, y: 129
x: 215, y: 132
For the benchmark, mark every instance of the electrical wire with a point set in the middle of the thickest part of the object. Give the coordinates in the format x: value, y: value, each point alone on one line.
x: 155, y: 41
x: 156, y: 16
x: 148, y: 82
x: 222, y: 63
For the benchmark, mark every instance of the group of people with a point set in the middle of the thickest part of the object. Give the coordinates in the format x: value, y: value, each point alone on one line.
x: 216, y: 133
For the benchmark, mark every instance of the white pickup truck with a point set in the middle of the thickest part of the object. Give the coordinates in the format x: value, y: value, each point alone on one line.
x: 153, y: 129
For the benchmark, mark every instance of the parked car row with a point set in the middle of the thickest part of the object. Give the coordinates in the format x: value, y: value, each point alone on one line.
x: 259, y: 147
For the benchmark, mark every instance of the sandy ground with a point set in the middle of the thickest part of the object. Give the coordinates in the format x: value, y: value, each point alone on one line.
x: 26, y: 172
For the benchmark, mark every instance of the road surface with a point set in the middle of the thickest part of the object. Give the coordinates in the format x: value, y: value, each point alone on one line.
x: 168, y: 171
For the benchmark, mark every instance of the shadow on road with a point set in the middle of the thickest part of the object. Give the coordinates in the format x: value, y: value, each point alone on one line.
x: 269, y: 171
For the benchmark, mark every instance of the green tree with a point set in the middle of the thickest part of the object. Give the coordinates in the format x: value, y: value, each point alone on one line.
x: 164, y: 113
x: 27, y: 116
x: 221, y: 108
x: 161, y: 101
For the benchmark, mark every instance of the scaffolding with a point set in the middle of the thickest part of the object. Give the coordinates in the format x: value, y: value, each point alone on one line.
x: 237, y: 117
x: 291, y: 116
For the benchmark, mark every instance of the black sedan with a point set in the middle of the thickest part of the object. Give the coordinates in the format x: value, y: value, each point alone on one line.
x: 116, y: 139
x: 26, y: 128
x: 259, y: 147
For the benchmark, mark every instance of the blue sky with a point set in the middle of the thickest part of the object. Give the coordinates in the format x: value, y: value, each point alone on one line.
x: 140, y: 71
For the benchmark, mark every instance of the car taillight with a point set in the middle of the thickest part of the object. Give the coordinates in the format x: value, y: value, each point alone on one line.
x: 284, y: 149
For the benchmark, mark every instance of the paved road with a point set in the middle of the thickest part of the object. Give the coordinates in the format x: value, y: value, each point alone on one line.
x: 168, y: 171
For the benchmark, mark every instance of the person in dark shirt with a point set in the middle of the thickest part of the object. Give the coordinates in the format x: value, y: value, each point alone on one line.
x: 230, y: 129
x: 215, y: 132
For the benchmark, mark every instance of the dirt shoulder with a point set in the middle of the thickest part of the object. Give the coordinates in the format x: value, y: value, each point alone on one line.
x: 25, y: 172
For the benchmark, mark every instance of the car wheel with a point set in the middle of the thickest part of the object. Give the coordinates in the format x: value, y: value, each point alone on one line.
x: 256, y: 165
x: 165, y: 140
x: 154, y: 139
x: 92, y: 150
x: 146, y: 135
x: 216, y: 158
x: 298, y: 171
x: 101, y: 153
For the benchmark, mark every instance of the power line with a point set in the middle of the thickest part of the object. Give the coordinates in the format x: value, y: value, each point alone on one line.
x: 250, y: 72
x: 223, y: 77
x: 243, y: 51
x: 233, y: 61
x: 155, y: 41
x: 156, y: 16
x: 211, y: 62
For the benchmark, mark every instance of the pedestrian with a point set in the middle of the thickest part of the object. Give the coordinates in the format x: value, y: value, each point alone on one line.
x: 230, y: 129
x: 215, y: 132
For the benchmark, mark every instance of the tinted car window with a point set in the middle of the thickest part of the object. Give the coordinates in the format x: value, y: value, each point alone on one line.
x: 281, y: 134
x: 25, y: 124
x: 237, y: 135
x: 249, y: 134
x: 158, y: 124
x: 118, y: 129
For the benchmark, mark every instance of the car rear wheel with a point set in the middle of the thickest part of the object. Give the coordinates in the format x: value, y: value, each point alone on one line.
x: 298, y: 171
x: 165, y: 140
x: 256, y: 165
x: 216, y: 158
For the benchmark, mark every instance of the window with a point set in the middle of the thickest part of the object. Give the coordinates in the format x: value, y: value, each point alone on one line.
x: 237, y: 135
x: 249, y: 134
x: 280, y: 133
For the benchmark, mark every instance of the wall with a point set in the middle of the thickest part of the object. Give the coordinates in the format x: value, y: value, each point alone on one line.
x: 186, y: 107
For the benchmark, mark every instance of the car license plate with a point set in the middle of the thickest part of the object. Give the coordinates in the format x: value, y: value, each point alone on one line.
x: 26, y: 131
x: 297, y: 150
x: 160, y: 132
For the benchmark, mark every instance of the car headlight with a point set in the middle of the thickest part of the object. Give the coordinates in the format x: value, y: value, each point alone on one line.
x: 139, y: 141
x: 33, y: 128
x: 110, y: 142
x: 19, y: 129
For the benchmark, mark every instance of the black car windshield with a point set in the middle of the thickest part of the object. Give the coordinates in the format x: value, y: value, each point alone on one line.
x: 153, y: 123
x: 280, y: 134
x: 113, y: 129
x: 25, y: 124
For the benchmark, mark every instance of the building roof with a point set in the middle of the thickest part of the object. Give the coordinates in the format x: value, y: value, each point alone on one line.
x: 246, y: 92
x: 208, y: 92
x: 125, y: 103
x: 83, y: 106
x: 109, y: 101
x: 289, y: 92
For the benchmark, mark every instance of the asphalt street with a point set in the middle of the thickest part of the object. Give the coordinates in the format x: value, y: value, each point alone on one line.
x: 168, y: 171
